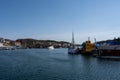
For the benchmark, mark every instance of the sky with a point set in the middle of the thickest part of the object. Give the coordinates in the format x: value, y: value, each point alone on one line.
x: 57, y: 19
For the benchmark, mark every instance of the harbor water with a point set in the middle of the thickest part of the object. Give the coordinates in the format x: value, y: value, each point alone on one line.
x: 57, y: 64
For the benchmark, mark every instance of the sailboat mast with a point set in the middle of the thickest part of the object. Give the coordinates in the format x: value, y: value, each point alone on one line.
x: 73, y: 42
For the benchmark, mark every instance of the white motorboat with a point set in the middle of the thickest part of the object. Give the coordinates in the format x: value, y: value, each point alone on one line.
x: 51, y: 47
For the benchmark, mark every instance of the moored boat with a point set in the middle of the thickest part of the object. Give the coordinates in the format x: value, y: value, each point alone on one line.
x: 87, y: 48
x: 73, y: 49
x: 108, y: 50
x: 111, y: 50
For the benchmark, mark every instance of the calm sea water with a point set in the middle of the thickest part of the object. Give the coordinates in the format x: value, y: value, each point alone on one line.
x: 44, y: 64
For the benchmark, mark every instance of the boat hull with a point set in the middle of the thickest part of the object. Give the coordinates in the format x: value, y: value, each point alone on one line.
x: 73, y: 51
x: 83, y: 52
x: 79, y: 51
x: 110, y: 52
x: 106, y: 52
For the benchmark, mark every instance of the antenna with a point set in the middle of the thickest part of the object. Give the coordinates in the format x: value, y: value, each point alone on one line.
x: 95, y: 41
x: 88, y: 38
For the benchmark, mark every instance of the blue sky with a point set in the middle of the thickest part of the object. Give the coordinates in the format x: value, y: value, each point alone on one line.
x: 56, y: 19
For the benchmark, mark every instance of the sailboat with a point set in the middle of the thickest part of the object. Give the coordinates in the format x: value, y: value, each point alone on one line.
x: 72, y: 49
